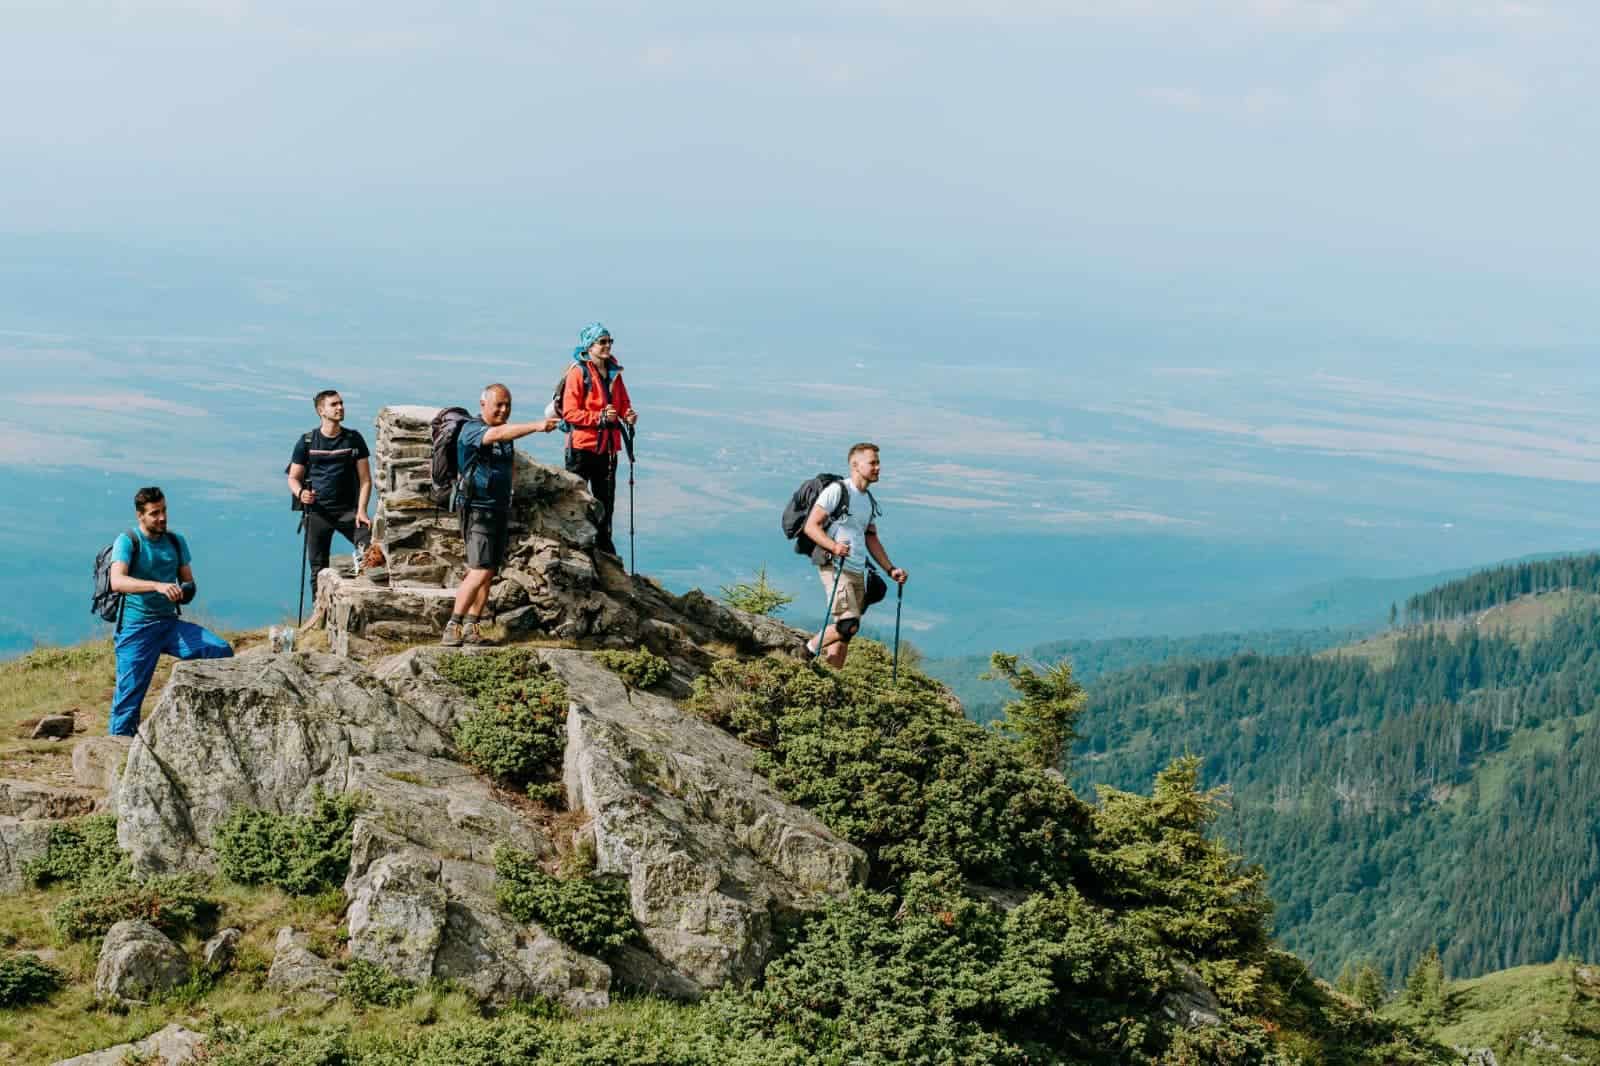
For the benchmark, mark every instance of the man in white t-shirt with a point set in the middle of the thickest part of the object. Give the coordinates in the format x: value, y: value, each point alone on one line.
x: 844, y: 542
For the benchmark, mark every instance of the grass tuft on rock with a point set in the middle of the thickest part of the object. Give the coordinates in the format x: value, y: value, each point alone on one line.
x: 591, y: 914
x: 300, y: 853
x: 518, y: 734
x: 367, y: 984
x: 641, y: 669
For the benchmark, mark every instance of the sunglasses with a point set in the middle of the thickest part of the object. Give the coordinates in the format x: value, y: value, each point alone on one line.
x: 604, y: 340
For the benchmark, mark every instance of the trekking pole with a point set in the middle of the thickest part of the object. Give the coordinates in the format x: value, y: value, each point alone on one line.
x: 838, y: 572
x: 305, y: 550
x: 894, y: 671
x: 627, y: 441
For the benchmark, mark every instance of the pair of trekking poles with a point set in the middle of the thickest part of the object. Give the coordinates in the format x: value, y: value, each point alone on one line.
x: 899, y: 600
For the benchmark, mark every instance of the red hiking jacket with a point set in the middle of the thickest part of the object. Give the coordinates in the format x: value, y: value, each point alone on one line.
x: 581, y: 409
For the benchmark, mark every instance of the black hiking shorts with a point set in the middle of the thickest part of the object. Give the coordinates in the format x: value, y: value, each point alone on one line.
x: 485, y: 534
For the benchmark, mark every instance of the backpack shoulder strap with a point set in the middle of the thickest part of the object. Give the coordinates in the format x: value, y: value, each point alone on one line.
x: 876, y: 510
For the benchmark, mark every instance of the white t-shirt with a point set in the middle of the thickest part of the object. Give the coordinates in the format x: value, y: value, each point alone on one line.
x: 851, y: 528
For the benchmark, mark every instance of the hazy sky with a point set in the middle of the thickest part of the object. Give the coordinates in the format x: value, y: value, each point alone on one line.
x: 1319, y: 273
x: 1403, y: 163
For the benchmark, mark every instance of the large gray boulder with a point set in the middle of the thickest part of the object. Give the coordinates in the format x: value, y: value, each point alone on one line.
x: 172, y: 1046
x: 259, y: 731
x: 716, y: 859
x: 422, y: 887
x: 137, y: 963
x: 97, y: 765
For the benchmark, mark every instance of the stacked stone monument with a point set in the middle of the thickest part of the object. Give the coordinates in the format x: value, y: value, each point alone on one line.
x: 555, y: 583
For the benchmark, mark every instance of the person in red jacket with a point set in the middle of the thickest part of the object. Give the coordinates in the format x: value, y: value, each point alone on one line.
x: 594, y: 403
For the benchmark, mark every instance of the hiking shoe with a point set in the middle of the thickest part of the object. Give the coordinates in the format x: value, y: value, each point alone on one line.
x: 472, y: 636
x: 452, y: 637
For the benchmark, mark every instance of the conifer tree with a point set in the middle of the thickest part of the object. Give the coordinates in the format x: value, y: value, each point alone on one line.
x: 1041, y: 722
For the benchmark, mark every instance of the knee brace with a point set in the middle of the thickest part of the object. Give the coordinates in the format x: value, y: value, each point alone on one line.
x: 847, y: 628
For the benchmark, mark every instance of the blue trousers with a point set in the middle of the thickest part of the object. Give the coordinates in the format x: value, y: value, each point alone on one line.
x: 140, y: 647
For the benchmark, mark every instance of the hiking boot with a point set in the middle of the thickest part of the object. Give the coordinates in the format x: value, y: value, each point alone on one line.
x: 452, y: 635
x: 472, y: 636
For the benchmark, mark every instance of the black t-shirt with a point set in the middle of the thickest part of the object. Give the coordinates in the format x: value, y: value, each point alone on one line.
x: 330, y: 464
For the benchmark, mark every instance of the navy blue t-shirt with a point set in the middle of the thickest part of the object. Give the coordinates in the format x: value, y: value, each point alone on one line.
x: 488, y: 484
x: 330, y: 464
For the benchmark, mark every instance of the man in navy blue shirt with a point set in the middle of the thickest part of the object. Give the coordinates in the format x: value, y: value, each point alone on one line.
x: 487, y: 461
x: 151, y: 570
x: 331, y: 480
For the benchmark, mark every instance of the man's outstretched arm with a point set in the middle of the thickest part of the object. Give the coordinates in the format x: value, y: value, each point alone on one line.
x: 513, y: 430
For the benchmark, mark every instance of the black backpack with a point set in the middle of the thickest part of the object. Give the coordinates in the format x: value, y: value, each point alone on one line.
x: 558, y: 397
x: 105, y: 604
x: 804, y: 499
x: 442, y: 469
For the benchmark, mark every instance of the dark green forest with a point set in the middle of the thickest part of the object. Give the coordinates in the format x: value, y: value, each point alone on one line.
x: 1449, y: 801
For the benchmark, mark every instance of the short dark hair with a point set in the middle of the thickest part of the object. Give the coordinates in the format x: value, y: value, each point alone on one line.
x: 145, y: 497
x: 863, y: 446
x: 316, y: 401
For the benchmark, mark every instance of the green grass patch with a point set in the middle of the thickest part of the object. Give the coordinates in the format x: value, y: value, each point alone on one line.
x: 300, y: 853
x: 370, y: 985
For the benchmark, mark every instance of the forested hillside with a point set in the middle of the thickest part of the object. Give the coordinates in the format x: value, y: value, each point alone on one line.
x: 1094, y: 659
x: 1448, y: 800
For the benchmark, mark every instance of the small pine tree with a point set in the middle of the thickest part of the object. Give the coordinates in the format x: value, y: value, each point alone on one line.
x: 1369, y: 987
x: 1041, y: 722
x: 757, y: 597
x: 1425, y: 985
x: 1394, y: 613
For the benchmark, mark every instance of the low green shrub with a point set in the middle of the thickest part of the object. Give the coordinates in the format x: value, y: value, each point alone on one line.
x: 518, y: 734
x: 79, y: 851
x: 369, y: 985
x: 232, y: 1044
x: 26, y: 979
x: 591, y: 914
x: 899, y: 771
x: 171, y: 904
x: 300, y: 853
x: 641, y: 669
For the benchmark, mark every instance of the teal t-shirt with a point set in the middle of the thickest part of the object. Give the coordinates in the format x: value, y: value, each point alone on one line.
x: 159, y: 560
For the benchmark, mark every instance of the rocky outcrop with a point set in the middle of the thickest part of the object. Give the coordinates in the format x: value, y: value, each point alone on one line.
x: 217, y: 954
x: 30, y: 799
x: 554, y: 582
x: 715, y: 859
x: 27, y: 810
x: 138, y: 962
x: 296, y: 968
x: 259, y: 731
x: 21, y: 841
x: 1191, y: 1003
x: 421, y: 887
x: 172, y: 1046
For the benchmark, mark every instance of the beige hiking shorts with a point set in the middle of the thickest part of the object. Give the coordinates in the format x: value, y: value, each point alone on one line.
x: 851, y: 600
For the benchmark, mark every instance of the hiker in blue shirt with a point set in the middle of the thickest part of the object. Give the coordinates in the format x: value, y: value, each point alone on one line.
x: 150, y: 569
x: 488, y: 463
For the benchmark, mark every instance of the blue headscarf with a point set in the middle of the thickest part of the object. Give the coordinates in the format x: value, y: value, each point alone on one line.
x: 587, y: 336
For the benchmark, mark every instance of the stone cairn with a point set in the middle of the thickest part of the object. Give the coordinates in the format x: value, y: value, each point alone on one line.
x: 554, y: 583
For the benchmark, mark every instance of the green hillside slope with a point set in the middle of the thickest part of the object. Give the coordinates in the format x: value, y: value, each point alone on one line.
x: 1441, y: 789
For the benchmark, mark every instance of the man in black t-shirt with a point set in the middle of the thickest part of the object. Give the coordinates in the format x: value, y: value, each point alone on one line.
x: 330, y: 479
